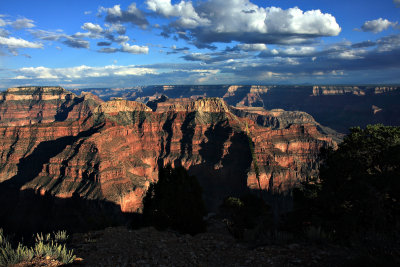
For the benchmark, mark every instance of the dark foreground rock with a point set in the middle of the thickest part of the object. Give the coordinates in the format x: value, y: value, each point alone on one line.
x: 150, y: 247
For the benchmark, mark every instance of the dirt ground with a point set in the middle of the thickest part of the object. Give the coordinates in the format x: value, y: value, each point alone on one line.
x: 149, y: 247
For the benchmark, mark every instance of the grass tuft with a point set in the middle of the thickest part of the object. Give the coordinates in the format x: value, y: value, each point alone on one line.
x: 45, y: 246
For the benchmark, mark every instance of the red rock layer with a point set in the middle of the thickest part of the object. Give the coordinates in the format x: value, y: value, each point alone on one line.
x: 114, y: 151
x: 29, y: 105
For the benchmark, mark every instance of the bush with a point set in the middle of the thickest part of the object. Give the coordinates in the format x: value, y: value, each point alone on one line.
x: 60, y: 237
x: 175, y: 201
x: 9, y: 256
x: 358, y: 190
x: 54, y: 251
x: 246, y: 213
x: 44, y: 246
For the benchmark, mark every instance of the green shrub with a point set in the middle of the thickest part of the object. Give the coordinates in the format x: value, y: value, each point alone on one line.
x: 358, y: 190
x: 9, y: 256
x: 233, y: 203
x: 61, y: 236
x: 246, y: 213
x: 3, y: 238
x: 175, y: 201
x: 58, y: 237
x: 44, y: 246
x: 315, y: 234
x: 42, y: 238
x: 54, y: 250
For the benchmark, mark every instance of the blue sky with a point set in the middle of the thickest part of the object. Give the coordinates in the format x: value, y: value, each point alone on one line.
x: 78, y: 44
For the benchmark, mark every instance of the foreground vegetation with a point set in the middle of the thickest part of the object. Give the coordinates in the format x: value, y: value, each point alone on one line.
x: 50, y: 245
x: 358, y: 190
x: 175, y: 202
x: 356, y: 199
x: 354, y: 202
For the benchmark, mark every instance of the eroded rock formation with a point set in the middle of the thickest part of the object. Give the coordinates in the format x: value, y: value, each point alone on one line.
x: 58, y: 143
x: 338, y: 107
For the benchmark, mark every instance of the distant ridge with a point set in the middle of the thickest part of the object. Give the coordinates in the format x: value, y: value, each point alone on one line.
x: 336, y: 106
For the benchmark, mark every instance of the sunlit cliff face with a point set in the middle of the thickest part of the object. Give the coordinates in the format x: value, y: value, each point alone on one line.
x: 64, y: 144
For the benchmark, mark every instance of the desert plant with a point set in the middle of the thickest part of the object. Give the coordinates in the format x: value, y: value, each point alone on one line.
x: 58, y: 237
x: 45, y: 246
x: 55, y: 251
x: 316, y: 234
x: 42, y: 238
x: 3, y: 238
x: 245, y: 213
x: 66, y: 256
x: 61, y: 236
x: 9, y: 256
x: 233, y: 203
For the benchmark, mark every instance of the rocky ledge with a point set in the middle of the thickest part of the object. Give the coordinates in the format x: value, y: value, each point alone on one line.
x: 120, y: 105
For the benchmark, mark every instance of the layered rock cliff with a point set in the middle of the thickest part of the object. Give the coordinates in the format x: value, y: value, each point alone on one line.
x: 30, y: 105
x: 338, y: 107
x: 337, y: 90
x: 80, y: 145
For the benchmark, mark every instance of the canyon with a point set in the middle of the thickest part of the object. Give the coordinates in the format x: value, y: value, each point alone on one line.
x: 338, y: 106
x: 59, y: 144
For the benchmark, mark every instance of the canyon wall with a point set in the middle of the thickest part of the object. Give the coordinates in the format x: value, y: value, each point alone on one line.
x: 55, y: 142
x: 338, y: 107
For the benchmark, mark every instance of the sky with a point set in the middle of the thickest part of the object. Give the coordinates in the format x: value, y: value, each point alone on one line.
x: 121, y: 44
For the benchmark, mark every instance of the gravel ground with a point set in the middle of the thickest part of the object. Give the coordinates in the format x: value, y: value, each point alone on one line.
x: 120, y: 246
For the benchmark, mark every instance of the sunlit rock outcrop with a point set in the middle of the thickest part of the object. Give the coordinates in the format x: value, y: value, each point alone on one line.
x: 113, y: 150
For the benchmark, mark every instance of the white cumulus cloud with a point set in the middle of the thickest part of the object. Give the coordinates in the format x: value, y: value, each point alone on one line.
x: 80, y: 72
x: 299, y: 51
x: 13, y: 43
x: 133, y: 15
x: 122, y: 39
x: 185, y: 10
x: 377, y: 25
x: 126, y: 48
x: 75, y: 42
x: 119, y: 28
x: 90, y: 27
x: 350, y: 54
x: 241, y: 20
x: 134, y: 49
x: 252, y: 47
x: 23, y: 23
x: 303, y: 51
